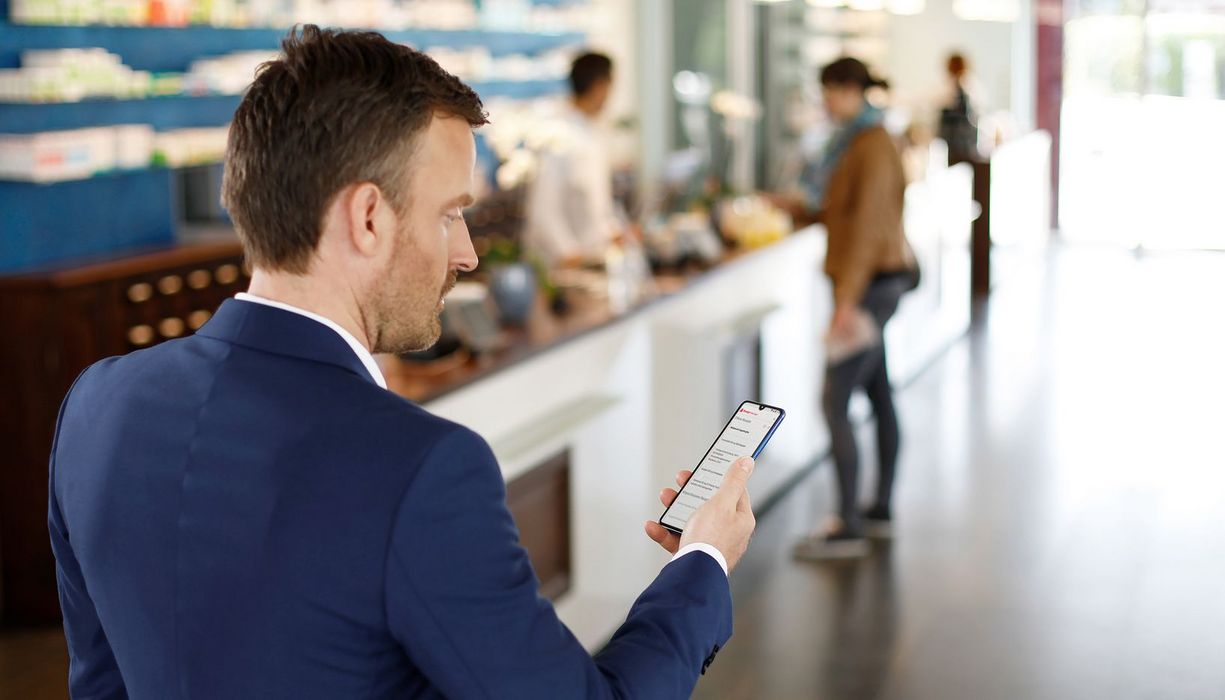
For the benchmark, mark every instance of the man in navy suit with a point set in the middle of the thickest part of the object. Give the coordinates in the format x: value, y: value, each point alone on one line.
x: 248, y: 513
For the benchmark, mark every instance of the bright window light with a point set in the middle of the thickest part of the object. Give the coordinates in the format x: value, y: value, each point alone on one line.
x: 906, y: 7
x: 987, y: 10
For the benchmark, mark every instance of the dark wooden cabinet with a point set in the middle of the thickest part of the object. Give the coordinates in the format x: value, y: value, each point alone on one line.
x: 55, y: 323
x: 539, y: 501
x: 58, y: 322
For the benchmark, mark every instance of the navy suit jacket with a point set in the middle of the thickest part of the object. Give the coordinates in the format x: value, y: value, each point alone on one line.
x: 245, y: 514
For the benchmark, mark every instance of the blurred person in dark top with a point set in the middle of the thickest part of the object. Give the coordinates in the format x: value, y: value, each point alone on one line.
x: 958, y: 116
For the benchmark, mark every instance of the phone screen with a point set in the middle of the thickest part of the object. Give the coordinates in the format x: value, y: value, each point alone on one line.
x: 746, y: 433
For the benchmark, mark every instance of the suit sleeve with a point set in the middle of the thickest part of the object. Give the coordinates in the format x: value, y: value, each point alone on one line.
x: 462, y: 600
x: 92, y: 670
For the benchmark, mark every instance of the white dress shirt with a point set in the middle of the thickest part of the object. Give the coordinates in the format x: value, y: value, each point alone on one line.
x: 375, y: 373
x: 570, y: 207
x: 703, y: 547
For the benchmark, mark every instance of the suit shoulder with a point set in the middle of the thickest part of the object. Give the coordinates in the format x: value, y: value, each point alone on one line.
x: 388, y: 413
x: 392, y: 412
x: 108, y: 368
x: 151, y: 357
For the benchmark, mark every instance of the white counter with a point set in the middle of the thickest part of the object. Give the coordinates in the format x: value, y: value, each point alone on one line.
x: 644, y: 396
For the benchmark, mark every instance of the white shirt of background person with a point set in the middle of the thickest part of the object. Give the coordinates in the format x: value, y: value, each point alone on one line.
x: 570, y: 209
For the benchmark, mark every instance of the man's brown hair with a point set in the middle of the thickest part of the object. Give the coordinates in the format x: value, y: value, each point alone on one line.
x: 337, y: 108
x: 587, y: 70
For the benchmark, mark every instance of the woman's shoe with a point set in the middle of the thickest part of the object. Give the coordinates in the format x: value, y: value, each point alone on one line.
x: 878, y: 523
x: 834, y: 542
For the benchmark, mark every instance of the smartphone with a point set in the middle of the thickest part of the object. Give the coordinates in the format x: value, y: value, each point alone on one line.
x: 746, y: 433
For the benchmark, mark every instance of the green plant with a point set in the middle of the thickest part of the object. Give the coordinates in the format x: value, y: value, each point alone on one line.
x: 500, y: 251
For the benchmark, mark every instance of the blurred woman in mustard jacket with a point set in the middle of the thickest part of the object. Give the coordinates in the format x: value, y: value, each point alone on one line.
x: 857, y: 188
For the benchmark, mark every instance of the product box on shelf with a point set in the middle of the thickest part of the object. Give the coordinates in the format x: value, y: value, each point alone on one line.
x: 55, y: 156
x: 76, y: 154
x: 378, y: 14
x: 133, y: 145
x: 78, y: 12
x: 71, y: 75
x: 183, y: 147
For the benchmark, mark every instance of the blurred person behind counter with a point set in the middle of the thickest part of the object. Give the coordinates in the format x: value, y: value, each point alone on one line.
x: 959, y: 110
x: 571, y: 216
x: 856, y: 186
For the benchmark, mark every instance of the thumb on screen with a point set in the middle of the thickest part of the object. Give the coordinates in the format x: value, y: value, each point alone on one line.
x: 737, y: 477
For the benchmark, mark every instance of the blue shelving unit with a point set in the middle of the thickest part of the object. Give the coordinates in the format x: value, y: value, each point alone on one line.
x: 186, y: 111
x: 174, y: 48
x: 45, y: 223
x: 162, y: 112
x: 520, y: 89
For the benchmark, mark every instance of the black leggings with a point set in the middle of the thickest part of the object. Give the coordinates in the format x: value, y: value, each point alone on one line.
x: 868, y: 370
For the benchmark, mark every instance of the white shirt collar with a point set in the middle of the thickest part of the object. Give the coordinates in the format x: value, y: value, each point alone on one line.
x: 360, y: 350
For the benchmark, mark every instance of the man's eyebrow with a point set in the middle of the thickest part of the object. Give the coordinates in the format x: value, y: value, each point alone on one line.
x: 463, y: 200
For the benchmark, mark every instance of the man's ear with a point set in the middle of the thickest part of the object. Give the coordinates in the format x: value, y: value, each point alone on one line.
x: 364, y: 204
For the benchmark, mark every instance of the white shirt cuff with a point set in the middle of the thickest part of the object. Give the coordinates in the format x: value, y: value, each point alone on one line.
x: 703, y: 547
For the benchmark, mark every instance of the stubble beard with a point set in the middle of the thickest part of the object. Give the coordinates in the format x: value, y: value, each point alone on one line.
x: 406, y: 317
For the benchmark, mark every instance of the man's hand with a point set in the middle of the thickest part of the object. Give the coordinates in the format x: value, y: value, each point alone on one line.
x: 725, y: 522
x: 628, y: 234
x: 662, y: 535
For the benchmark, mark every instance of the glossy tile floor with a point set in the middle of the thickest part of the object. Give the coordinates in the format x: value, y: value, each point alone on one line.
x: 1061, y: 513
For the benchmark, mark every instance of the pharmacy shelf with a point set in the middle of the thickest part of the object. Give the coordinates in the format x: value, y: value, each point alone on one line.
x: 177, y: 112
x: 183, y: 111
x: 174, y: 48
x: 519, y: 89
x: 48, y: 222
x: 116, y: 173
x: 113, y: 211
